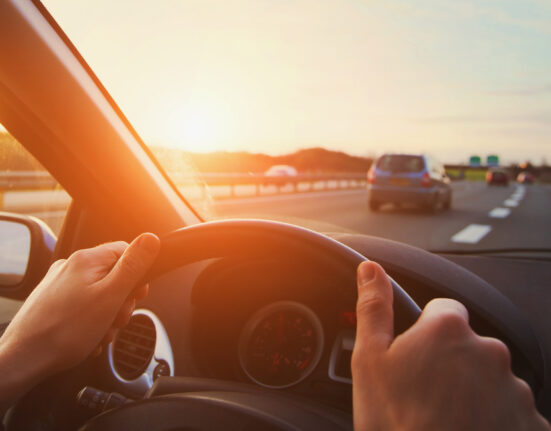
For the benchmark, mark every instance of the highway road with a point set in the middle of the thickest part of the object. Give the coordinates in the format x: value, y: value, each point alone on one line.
x: 481, y: 217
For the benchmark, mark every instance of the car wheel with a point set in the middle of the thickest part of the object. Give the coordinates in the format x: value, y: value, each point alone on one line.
x: 448, y: 203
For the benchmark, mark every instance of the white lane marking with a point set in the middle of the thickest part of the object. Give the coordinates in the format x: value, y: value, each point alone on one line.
x: 472, y: 233
x: 499, y: 212
x: 519, y: 192
x: 516, y: 197
x: 511, y: 203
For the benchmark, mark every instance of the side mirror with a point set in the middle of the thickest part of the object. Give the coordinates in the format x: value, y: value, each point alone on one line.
x: 26, y: 250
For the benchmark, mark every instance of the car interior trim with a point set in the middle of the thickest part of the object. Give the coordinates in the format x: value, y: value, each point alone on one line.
x: 162, y: 354
x: 342, y: 348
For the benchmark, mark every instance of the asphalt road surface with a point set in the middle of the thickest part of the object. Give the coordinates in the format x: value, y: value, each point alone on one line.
x: 481, y: 217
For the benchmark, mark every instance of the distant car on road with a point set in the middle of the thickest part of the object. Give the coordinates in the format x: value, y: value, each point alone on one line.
x: 281, y: 171
x: 525, y: 178
x: 408, y: 179
x: 278, y: 175
x: 496, y: 176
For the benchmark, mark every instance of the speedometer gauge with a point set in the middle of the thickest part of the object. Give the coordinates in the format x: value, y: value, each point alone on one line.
x: 281, y: 344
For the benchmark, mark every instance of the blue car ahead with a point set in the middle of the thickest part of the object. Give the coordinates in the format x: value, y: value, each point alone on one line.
x: 408, y: 179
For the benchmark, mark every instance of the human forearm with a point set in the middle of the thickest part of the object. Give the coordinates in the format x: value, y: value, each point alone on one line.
x: 21, y: 371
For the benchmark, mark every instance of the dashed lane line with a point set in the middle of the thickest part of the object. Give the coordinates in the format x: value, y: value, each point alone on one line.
x: 516, y: 197
x: 472, y: 234
x: 511, y: 203
x: 499, y: 212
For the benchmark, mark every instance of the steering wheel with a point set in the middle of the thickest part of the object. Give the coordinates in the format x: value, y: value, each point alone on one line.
x: 236, y: 409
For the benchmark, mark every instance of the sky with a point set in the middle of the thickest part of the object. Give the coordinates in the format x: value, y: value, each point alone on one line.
x: 453, y: 78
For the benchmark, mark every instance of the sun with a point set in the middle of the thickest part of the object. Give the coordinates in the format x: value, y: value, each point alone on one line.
x: 199, y: 130
x: 200, y: 126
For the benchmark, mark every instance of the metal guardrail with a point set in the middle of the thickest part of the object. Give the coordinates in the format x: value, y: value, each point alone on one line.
x: 26, y: 180
x: 40, y: 180
x: 32, y: 191
x: 283, y: 184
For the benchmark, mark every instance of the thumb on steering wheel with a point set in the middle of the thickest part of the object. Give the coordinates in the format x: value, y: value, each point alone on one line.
x: 375, y: 317
x: 133, y: 264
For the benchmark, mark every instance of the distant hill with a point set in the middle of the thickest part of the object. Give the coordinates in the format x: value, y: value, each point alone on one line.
x: 311, y: 160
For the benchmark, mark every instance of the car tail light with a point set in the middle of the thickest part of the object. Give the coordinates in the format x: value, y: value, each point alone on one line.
x: 371, y: 176
x: 425, y: 181
x: 488, y: 176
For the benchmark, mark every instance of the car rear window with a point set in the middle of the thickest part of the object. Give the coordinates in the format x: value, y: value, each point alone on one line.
x: 400, y: 164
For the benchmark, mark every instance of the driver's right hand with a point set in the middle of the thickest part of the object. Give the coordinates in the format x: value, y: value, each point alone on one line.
x: 438, y: 375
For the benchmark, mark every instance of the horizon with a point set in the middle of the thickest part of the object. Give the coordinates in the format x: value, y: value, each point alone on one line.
x: 5, y: 132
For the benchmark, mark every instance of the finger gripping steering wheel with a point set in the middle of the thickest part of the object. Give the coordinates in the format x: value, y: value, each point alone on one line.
x: 243, y: 239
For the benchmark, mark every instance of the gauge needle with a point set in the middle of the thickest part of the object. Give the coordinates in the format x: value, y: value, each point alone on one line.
x: 276, y: 359
x: 273, y: 366
x: 280, y: 330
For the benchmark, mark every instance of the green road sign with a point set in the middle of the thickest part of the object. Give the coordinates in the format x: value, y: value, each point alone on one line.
x: 475, y: 161
x: 492, y: 160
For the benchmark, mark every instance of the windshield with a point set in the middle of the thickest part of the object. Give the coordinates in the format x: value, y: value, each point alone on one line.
x: 400, y: 164
x: 224, y: 91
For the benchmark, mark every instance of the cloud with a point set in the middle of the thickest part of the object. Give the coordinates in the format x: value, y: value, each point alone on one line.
x: 533, y: 119
x: 531, y: 15
x: 526, y: 91
x: 536, y: 14
x: 539, y: 137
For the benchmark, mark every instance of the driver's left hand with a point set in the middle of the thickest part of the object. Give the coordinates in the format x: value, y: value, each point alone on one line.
x: 75, y: 308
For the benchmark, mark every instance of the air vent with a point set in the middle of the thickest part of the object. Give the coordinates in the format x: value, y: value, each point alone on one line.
x: 134, y: 346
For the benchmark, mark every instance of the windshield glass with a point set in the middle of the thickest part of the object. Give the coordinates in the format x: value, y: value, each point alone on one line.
x: 400, y: 164
x: 321, y: 89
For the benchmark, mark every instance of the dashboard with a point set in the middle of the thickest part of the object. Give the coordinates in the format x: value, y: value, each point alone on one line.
x: 273, y: 324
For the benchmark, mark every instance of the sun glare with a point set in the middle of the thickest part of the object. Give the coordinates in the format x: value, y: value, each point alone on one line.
x: 199, y: 126
x: 198, y: 131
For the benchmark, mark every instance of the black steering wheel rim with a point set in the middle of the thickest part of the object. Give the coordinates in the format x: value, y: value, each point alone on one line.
x: 227, y: 238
